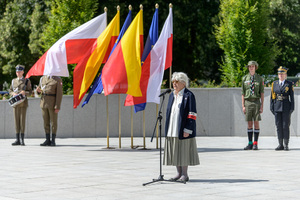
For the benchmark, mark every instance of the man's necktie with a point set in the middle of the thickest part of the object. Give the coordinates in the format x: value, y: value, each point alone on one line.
x: 252, y: 85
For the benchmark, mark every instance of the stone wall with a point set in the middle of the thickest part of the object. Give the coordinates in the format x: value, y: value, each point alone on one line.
x: 219, y: 114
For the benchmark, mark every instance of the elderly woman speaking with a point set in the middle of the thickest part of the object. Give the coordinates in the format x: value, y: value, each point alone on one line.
x: 180, y: 129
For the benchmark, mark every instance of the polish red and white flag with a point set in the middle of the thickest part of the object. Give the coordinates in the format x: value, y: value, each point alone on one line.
x: 69, y: 49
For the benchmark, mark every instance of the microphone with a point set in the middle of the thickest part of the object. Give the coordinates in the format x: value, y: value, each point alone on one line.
x: 165, y: 92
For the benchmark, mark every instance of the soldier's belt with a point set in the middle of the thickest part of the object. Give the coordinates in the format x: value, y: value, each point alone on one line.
x: 281, y: 98
x: 53, y: 95
x: 252, y: 100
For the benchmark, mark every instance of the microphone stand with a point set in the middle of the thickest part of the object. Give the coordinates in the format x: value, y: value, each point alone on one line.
x: 160, y: 177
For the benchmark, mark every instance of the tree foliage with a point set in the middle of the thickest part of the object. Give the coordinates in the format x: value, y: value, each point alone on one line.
x: 243, y: 35
x: 14, y: 36
x: 285, y: 28
x: 39, y: 18
x: 211, y: 37
x: 195, y: 48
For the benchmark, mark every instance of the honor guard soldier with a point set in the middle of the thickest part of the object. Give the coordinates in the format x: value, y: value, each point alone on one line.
x: 51, y: 90
x: 252, y: 102
x: 20, y: 86
x: 282, y: 106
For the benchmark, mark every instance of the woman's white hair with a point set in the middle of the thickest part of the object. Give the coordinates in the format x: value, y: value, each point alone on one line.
x: 182, y: 77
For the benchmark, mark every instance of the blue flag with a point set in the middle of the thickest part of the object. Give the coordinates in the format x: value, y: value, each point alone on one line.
x: 98, y: 86
x: 151, y: 40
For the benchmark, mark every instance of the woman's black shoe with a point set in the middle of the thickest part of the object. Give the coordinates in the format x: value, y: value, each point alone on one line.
x: 279, y: 148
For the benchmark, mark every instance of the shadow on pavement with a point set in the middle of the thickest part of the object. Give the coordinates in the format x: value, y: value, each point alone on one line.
x: 76, y: 145
x: 125, y: 150
x: 207, y: 150
x: 218, y: 149
x: 226, y: 180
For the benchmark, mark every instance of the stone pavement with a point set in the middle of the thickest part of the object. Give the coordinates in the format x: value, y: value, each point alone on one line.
x: 83, y: 169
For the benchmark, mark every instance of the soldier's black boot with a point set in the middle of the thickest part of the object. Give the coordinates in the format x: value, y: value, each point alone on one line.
x: 17, y: 142
x: 22, y: 139
x: 47, y: 141
x: 53, y: 140
x: 280, y: 146
x: 286, y: 144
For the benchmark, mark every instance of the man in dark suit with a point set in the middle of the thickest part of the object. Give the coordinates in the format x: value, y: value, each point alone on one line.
x: 282, y: 106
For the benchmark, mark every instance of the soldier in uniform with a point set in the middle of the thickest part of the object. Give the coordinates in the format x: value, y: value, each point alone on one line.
x: 282, y: 106
x: 51, y: 89
x: 20, y: 85
x: 252, y: 102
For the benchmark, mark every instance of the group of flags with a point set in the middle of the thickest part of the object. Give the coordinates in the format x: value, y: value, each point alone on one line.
x: 129, y: 66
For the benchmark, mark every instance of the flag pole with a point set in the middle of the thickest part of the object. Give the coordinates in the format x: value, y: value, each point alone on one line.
x: 131, y: 112
x: 170, y: 70
x: 107, y: 114
x: 144, y: 130
x: 170, y: 77
x: 119, y: 98
x: 119, y: 121
x: 107, y: 125
x: 156, y: 127
x: 144, y: 127
x: 107, y: 122
x: 133, y: 147
x: 130, y: 8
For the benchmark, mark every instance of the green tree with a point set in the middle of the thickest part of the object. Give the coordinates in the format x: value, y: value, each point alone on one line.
x: 28, y: 28
x: 195, y: 50
x: 14, y: 37
x: 39, y: 18
x: 3, y: 4
x: 243, y: 35
x: 285, y: 28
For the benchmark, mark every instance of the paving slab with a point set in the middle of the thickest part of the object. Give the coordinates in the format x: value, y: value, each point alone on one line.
x: 84, y: 169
